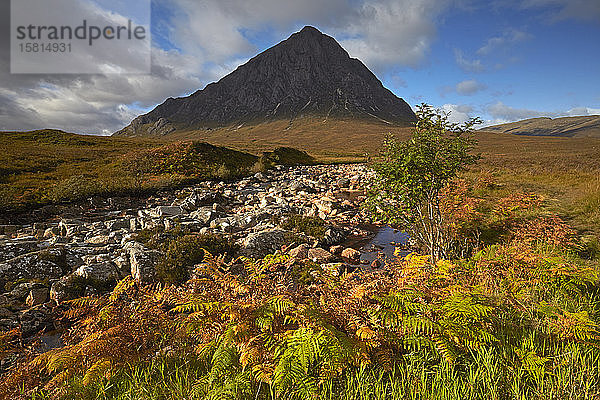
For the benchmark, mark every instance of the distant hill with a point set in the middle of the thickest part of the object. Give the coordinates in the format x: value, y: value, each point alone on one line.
x: 307, y: 75
x: 588, y: 126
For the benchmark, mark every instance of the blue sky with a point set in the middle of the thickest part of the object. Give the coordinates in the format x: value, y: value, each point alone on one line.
x: 501, y: 60
x: 512, y: 63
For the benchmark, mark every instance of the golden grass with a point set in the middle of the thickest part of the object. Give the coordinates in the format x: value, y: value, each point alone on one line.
x: 327, y: 140
x: 565, y: 170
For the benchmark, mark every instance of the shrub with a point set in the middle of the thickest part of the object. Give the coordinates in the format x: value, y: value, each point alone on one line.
x: 75, y: 188
x: 312, y: 226
x: 181, y: 254
x: 185, y: 251
x: 223, y: 172
x: 412, y: 175
x: 287, y: 156
x: 191, y: 158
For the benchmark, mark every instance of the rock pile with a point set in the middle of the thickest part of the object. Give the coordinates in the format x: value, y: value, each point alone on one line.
x: 45, y: 263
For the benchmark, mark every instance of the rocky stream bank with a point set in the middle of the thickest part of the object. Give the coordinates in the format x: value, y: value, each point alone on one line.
x: 43, y: 264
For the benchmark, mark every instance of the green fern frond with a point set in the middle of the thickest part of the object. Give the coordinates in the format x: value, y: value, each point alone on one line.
x: 224, y: 358
x: 96, y: 371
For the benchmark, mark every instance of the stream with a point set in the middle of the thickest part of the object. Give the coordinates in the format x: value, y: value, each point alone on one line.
x: 381, y: 243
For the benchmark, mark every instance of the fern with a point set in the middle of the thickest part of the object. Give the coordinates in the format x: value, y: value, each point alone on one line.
x: 224, y: 358
x: 98, y: 370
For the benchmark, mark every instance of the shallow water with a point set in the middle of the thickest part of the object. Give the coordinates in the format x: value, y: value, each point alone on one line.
x: 381, y: 244
x: 51, y: 340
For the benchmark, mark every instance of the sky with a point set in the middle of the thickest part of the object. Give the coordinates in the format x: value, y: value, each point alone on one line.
x: 498, y: 60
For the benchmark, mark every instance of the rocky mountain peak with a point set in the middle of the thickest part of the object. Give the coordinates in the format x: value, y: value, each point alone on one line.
x: 308, y: 74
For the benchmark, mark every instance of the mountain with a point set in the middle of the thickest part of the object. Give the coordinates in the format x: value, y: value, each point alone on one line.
x: 309, y: 74
x: 588, y: 126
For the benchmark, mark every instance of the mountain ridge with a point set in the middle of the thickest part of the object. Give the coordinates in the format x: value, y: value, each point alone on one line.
x: 580, y: 126
x: 307, y: 74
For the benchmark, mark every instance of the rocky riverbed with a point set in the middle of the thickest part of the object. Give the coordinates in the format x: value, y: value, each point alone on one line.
x: 86, y: 250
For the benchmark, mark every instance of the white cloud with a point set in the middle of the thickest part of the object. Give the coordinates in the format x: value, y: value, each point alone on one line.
x: 508, y: 38
x: 577, y: 111
x: 567, y: 9
x: 399, y: 81
x: 378, y: 32
x: 387, y: 32
x: 94, y: 103
x: 469, y: 87
x: 459, y: 113
x: 104, y: 56
x: 488, y: 52
x: 500, y: 113
x: 474, y: 65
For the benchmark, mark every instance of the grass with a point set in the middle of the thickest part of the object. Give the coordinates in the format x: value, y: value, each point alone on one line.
x: 516, y: 319
x: 46, y: 166
x: 182, y: 250
x: 50, y: 166
x: 287, y: 156
x: 564, y: 170
x: 331, y: 140
x: 485, y: 379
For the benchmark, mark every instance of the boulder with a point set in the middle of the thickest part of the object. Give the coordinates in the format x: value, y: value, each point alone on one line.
x: 320, y: 255
x: 9, y: 229
x: 66, y: 288
x: 343, y: 183
x: 300, y: 252
x: 116, y: 224
x: 296, y: 186
x: 70, y: 227
x: 199, y: 199
x: 123, y: 265
x: 336, y: 250
x: 333, y: 236
x: 20, y: 291
x: 166, y: 211
x: 35, y: 320
x: 203, y: 215
x: 324, y: 206
x: 101, y: 273
x: 50, y: 232
x: 15, y: 248
x: 143, y: 262
x: 267, y: 200
x: 134, y: 224
x: 42, y: 265
x: 100, y: 240
x: 260, y: 244
x: 351, y: 255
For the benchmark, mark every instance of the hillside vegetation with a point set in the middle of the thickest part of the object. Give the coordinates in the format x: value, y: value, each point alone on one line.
x: 564, y: 170
x: 50, y: 166
x: 586, y: 126
x: 45, y: 167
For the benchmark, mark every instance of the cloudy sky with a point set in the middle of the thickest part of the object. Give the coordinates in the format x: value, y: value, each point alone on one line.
x: 501, y: 60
